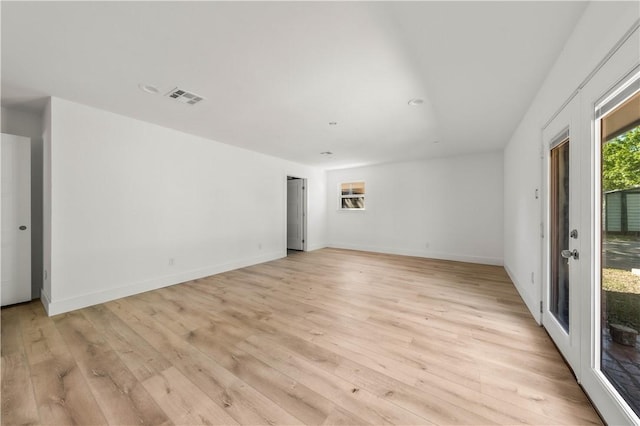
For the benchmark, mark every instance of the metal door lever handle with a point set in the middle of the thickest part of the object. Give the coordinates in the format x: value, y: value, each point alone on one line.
x: 567, y: 254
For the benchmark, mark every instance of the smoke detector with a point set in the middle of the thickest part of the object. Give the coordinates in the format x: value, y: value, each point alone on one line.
x: 184, y: 96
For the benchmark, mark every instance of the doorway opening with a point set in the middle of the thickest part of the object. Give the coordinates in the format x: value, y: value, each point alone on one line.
x: 296, y: 215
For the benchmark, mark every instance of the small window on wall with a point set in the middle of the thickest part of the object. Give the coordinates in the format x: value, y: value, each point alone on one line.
x: 352, y: 196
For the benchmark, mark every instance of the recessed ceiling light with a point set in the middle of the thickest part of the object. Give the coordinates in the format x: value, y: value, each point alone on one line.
x: 148, y: 88
x: 416, y: 101
x: 326, y: 153
x: 436, y: 141
x: 333, y: 123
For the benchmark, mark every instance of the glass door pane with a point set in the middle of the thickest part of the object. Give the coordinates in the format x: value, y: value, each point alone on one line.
x: 559, y: 192
x: 620, y: 263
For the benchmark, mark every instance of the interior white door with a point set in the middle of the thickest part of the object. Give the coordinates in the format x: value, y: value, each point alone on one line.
x: 295, y: 214
x: 16, y: 219
x: 561, y: 259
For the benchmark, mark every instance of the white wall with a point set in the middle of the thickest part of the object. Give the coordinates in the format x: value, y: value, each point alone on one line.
x: 135, y: 206
x: 29, y: 124
x: 453, y: 205
x: 599, y: 29
x: 45, y: 294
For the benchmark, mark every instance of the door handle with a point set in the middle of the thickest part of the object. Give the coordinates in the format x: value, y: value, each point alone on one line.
x: 568, y: 254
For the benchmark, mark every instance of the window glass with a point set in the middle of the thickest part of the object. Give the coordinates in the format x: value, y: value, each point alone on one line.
x: 620, y: 227
x: 352, y: 195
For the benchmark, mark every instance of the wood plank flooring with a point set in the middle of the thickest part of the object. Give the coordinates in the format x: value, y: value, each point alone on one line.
x: 330, y: 337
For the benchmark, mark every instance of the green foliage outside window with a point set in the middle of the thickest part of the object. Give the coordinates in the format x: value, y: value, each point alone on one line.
x: 621, y: 161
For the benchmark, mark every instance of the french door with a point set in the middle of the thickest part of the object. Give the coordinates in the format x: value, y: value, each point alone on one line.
x: 591, y: 244
x: 562, y: 232
x: 611, y: 360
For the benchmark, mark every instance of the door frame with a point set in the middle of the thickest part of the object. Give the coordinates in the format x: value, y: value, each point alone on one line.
x: 305, y: 209
x: 565, y: 125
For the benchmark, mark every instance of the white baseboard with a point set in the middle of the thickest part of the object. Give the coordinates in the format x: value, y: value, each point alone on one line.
x: 532, y: 305
x: 313, y: 247
x: 56, y: 307
x: 426, y: 254
x: 45, y: 299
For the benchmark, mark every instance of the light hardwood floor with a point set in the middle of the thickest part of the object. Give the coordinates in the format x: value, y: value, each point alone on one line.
x: 327, y: 337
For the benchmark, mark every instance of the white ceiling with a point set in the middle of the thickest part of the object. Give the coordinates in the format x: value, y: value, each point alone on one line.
x: 274, y: 74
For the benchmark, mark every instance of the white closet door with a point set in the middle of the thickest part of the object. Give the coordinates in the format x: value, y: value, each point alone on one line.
x: 16, y: 219
x: 295, y: 214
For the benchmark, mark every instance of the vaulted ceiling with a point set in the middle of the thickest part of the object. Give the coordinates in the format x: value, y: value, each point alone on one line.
x: 275, y: 74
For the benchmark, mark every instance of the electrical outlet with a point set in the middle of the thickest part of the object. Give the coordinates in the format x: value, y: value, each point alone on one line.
x: 532, y: 278
x: 426, y: 245
x: 259, y: 246
x: 171, y: 261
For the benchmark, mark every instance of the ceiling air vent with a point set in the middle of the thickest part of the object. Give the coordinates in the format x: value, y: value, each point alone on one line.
x: 184, y: 97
